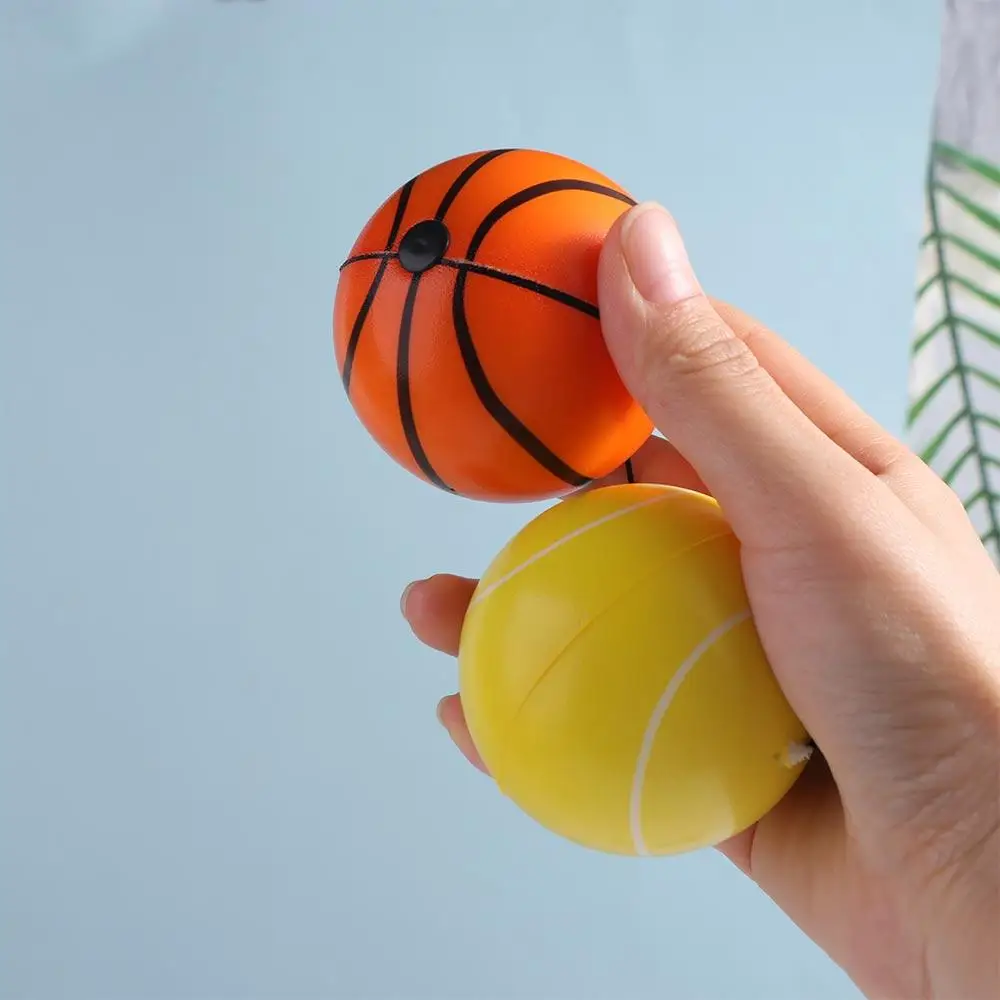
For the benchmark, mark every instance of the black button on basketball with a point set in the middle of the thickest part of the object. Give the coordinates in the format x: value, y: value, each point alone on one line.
x: 424, y: 245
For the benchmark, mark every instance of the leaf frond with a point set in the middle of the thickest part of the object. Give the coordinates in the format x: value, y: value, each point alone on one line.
x: 936, y: 443
x: 983, y: 256
x: 983, y: 375
x: 983, y: 332
x: 984, y: 215
x: 961, y: 264
x: 953, y: 470
x: 920, y: 404
x: 923, y: 339
x: 975, y: 289
x: 954, y: 156
x: 990, y: 496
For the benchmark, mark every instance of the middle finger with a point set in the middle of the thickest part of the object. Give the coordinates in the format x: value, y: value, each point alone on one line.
x: 435, y: 609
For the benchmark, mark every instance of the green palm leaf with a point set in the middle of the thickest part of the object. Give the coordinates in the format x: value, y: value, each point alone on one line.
x: 954, y: 413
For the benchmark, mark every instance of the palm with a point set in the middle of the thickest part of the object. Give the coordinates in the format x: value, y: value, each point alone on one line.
x: 803, y: 855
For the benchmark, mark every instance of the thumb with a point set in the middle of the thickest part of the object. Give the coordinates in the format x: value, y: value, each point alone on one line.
x: 768, y: 465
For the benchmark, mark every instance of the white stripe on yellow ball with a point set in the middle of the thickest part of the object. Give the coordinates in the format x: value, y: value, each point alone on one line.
x: 653, y: 727
x: 489, y: 585
x: 552, y: 579
x: 570, y: 671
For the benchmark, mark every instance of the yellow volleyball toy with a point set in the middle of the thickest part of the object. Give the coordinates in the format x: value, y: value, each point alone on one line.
x: 613, y: 680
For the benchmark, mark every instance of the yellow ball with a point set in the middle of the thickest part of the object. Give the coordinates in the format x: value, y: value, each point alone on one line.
x: 613, y: 680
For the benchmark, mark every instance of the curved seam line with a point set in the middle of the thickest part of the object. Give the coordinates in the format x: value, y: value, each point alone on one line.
x: 635, y: 585
x: 525, y: 283
x: 357, y: 328
x: 488, y: 396
x: 481, y: 595
x: 490, y: 399
x: 660, y: 710
x: 499, y: 769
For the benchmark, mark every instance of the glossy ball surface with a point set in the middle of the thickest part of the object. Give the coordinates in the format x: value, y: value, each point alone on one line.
x: 466, y: 328
x: 613, y: 680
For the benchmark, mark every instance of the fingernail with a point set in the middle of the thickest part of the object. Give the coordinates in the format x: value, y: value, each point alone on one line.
x: 404, y: 596
x: 439, y: 712
x: 655, y: 256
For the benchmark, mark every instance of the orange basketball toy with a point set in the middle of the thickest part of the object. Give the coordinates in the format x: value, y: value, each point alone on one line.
x: 466, y: 328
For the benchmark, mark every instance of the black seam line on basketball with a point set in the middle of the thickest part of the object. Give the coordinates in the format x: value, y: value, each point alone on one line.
x: 629, y: 471
x: 538, y: 450
x: 464, y: 177
x: 582, y: 305
x: 492, y: 403
x: 359, y: 320
x: 530, y: 194
x: 404, y: 398
x: 373, y: 255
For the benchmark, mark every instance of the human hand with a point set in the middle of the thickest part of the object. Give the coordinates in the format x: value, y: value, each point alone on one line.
x: 877, y: 605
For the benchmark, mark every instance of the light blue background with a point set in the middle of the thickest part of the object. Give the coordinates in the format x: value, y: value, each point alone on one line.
x: 220, y: 774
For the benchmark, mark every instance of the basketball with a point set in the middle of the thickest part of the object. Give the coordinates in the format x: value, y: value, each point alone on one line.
x: 466, y: 328
x: 613, y: 681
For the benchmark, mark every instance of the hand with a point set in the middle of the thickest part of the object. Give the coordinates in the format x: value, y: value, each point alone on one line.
x: 876, y: 603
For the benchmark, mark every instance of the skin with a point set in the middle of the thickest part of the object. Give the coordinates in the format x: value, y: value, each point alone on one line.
x: 877, y: 605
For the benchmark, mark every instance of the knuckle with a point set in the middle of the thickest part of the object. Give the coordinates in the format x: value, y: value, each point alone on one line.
x: 689, y: 340
x: 949, y: 505
x: 879, y: 451
x: 910, y: 473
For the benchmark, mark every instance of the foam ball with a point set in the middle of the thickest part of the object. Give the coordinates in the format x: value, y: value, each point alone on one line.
x: 613, y: 679
x: 466, y: 328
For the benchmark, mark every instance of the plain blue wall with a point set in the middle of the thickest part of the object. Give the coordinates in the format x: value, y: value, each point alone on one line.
x: 220, y: 773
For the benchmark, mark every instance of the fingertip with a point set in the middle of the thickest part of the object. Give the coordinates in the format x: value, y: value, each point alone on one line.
x: 452, y: 717
x: 439, y: 711
x: 435, y: 609
x: 404, y: 597
x: 433, y: 592
x: 450, y: 713
x: 412, y: 601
